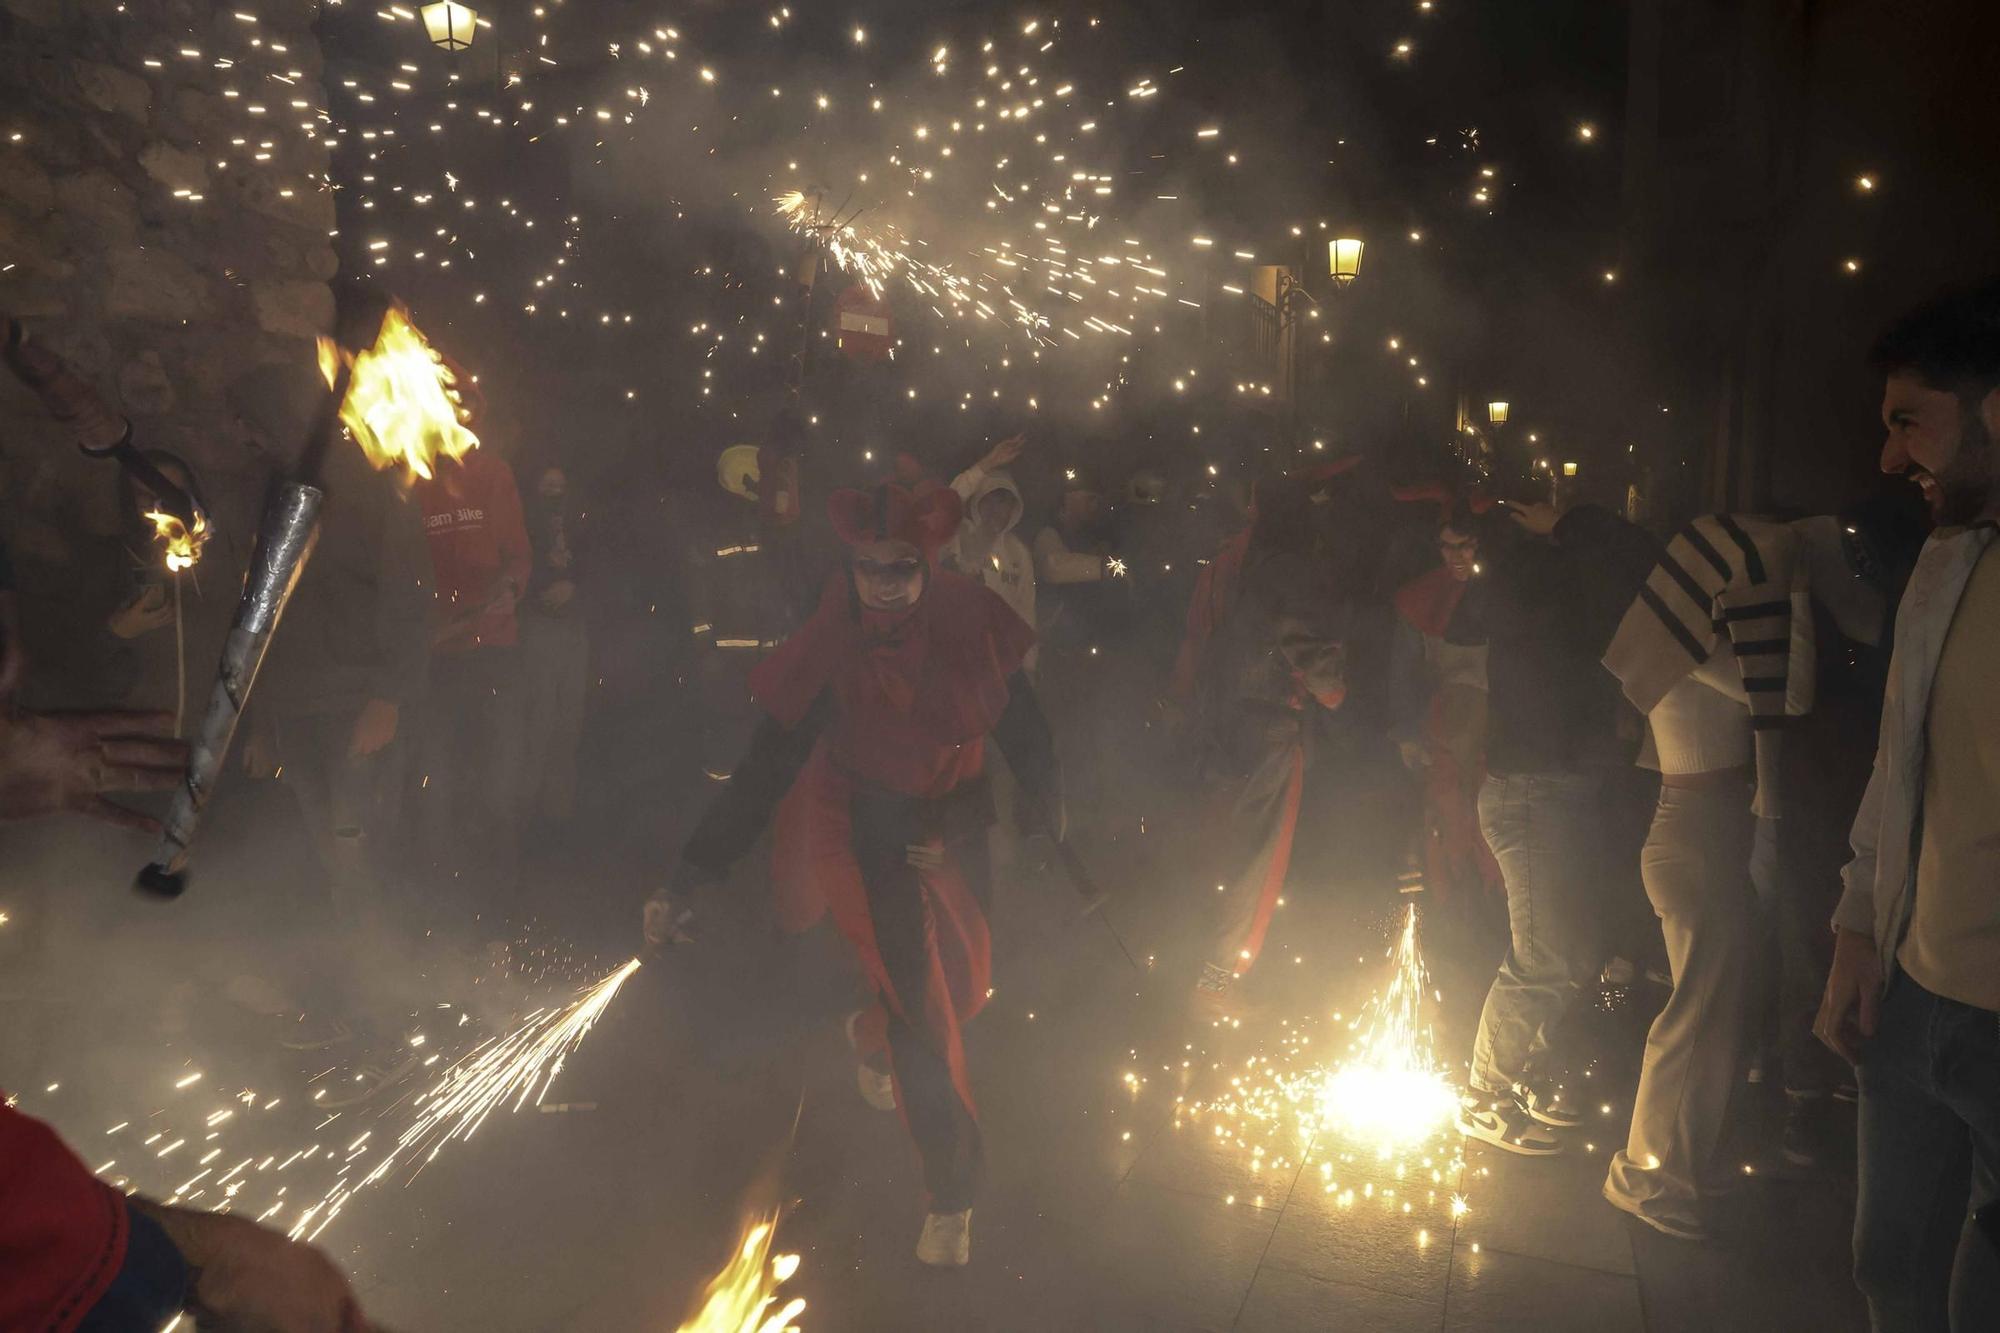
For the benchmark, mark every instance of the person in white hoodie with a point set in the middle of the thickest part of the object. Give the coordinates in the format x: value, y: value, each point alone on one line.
x: 985, y: 547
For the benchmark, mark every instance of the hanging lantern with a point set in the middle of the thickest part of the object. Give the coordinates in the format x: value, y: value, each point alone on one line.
x: 1496, y: 412
x: 450, y: 24
x: 1569, y: 469
x: 1343, y: 259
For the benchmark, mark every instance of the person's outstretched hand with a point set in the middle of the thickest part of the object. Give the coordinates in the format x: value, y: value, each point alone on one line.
x: 56, y: 762
x: 664, y: 920
x: 250, y: 1279
x: 1003, y: 453
x: 1538, y: 518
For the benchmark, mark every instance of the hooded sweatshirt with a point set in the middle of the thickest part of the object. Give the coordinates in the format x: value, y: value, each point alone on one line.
x: 1001, y: 561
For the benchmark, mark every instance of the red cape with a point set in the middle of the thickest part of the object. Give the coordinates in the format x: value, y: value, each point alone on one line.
x: 1214, y: 595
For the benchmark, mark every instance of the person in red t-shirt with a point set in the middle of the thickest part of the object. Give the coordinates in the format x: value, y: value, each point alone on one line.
x: 481, y: 560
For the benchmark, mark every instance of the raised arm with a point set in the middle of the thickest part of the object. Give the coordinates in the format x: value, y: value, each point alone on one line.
x: 1056, y: 563
x: 741, y: 811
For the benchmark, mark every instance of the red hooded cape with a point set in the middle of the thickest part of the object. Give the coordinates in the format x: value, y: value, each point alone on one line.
x: 914, y: 695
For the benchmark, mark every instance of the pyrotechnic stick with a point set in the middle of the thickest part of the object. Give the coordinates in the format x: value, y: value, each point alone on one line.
x: 284, y: 543
x: 1083, y: 881
x: 285, y: 537
x: 1094, y: 898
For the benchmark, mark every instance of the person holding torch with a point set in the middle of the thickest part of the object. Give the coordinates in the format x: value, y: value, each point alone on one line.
x: 873, y: 739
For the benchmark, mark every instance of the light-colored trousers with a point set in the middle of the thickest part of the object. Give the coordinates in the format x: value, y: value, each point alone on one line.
x: 1696, y: 865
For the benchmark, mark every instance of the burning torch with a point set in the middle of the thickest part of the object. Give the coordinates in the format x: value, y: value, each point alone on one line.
x: 401, y: 402
x: 180, y: 524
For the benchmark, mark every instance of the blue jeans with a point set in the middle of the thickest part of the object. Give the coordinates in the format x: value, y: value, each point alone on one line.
x: 1542, y: 830
x: 1929, y: 1157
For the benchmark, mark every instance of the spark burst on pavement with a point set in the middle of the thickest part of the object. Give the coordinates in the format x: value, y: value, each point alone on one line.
x: 1391, y: 1092
x: 1370, y: 1126
x: 517, y: 1067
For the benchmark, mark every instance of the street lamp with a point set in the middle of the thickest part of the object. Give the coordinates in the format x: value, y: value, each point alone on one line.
x: 1496, y: 412
x: 450, y: 24
x: 1343, y: 260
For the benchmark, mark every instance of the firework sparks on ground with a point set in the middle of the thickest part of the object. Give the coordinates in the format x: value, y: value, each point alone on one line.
x: 1391, y: 1092
x: 1367, y: 1126
x: 518, y: 1068
x: 740, y: 1298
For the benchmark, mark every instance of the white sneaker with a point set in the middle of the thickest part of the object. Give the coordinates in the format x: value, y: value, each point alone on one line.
x: 1506, y: 1124
x: 947, y: 1240
x: 877, y: 1088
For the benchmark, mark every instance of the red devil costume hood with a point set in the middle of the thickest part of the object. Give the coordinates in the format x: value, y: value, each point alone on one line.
x: 914, y: 690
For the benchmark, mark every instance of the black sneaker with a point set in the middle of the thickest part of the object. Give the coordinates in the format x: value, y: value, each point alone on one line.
x: 1503, y: 1122
x: 1805, y: 1128
x: 1546, y: 1103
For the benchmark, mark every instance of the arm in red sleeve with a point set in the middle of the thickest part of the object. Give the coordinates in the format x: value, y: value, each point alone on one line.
x: 510, y: 529
x: 1199, y: 629
x: 62, y: 1230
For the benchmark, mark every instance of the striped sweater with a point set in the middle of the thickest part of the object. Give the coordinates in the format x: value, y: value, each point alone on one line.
x: 1725, y: 576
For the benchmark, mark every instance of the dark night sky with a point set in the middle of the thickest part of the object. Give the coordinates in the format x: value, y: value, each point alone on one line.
x: 671, y: 220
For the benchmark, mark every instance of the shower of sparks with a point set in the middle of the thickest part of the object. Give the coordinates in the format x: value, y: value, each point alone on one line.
x: 1391, y: 1092
x: 876, y: 255
x: 516, y: 1068
x: 1368, y: 1127
x: 740, y: 1297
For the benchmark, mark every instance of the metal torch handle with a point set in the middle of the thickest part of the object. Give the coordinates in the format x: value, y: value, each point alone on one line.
x: 284, y: 544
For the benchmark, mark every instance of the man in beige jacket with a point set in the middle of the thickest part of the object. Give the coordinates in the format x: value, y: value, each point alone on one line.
x: 1913, y: 998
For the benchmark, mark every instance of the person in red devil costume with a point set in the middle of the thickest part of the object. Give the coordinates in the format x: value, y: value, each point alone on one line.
x: 871, y: 753
x: 1264, y: 645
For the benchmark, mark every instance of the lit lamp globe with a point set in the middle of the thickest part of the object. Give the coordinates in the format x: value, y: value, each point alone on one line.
x: 450, y: 24
x: 1496, y: 411
x: 1343, y: 260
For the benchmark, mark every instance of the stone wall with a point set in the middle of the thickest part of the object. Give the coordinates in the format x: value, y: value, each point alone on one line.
x: 165, y: 222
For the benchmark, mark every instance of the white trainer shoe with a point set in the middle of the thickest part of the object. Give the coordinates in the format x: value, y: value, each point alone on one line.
x: 947, y: 1240
x: 877, y: 1089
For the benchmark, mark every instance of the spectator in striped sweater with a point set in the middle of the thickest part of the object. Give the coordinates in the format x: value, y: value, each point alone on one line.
x: 1716, y: 650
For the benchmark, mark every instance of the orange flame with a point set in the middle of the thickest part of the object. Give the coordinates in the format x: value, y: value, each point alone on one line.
x: 403, y: 403
x: 183, y: 545
x: 739, y: 1297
